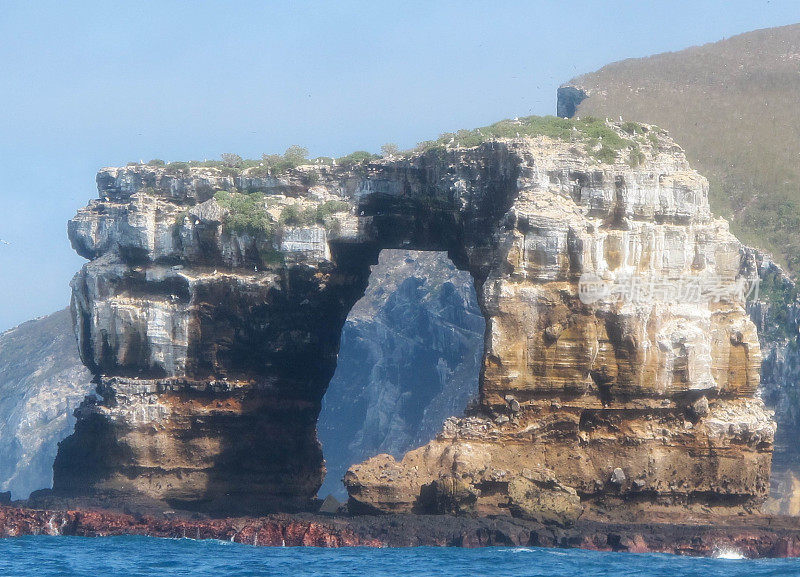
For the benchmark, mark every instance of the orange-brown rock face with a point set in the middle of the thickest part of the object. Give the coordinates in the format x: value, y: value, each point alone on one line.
x: 617, y: 458
x: 619, y: 364
x: 639, y: 391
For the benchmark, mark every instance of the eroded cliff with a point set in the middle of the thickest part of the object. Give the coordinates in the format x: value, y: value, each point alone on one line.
x: 213, y: 304
x: 776, y: 313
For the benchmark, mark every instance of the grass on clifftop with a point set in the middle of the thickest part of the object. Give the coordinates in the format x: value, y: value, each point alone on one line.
x: 234, y: 165
x: 602, y: 141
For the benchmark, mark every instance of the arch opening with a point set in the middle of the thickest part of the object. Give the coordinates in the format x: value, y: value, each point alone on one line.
x: 409, y: 358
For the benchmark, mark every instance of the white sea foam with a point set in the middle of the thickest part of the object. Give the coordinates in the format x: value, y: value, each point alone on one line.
x: 218, y: 542
x: 728, y: 553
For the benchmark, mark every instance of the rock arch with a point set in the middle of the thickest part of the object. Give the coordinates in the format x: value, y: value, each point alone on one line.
x: 210, y: 314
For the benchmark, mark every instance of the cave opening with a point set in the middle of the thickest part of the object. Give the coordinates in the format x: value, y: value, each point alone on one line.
x: 409, y: 357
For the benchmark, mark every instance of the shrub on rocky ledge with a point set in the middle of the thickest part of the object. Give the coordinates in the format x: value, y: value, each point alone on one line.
x: 357, y: 157
x: 178, y: 167
x: 247, y: 213
x: 294, y: 215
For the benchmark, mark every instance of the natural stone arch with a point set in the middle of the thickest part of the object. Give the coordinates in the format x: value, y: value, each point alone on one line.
x: 237, y: 329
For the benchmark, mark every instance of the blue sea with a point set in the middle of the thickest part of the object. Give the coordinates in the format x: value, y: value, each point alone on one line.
x: 139, y: 556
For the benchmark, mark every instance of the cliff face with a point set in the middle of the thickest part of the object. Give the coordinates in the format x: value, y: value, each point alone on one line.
x: 214, y: 342
x: 776, y: 313
x: 729, y: 103
x: 213, y: 322
x: 409, y: 358
x: 41, y: 382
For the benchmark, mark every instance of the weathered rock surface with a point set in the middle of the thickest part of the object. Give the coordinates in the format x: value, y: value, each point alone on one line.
x: 42, y: 381
x: 409, y: 358
x: 742, y: 133
x: 213, y: 346
x: 776, y: 313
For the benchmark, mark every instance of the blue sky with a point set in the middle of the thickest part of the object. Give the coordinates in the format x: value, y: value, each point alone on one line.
x: 92, y: 84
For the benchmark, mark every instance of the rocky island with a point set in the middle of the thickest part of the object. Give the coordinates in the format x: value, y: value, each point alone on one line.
x: 212, y: 305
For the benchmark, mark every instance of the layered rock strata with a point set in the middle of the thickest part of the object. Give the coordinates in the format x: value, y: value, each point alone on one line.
x: 757, y: 193
x: 212, y: 307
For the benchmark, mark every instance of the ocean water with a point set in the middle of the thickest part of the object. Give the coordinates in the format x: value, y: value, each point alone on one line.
x: 139, y: 556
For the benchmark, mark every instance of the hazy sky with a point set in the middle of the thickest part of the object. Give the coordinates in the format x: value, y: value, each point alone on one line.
x: 91, y: 84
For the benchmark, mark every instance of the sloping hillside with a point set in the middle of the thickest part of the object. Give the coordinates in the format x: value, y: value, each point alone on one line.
x: 733, y: 105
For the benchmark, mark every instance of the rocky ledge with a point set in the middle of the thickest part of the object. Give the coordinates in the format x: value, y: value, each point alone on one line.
x: 757, y: 537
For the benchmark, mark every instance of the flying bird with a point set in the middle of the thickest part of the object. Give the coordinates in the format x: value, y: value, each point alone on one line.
x: 4, y: 242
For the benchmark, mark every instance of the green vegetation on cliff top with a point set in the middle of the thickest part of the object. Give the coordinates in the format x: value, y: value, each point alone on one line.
x: 603, y: 142
x: 249, y: 214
